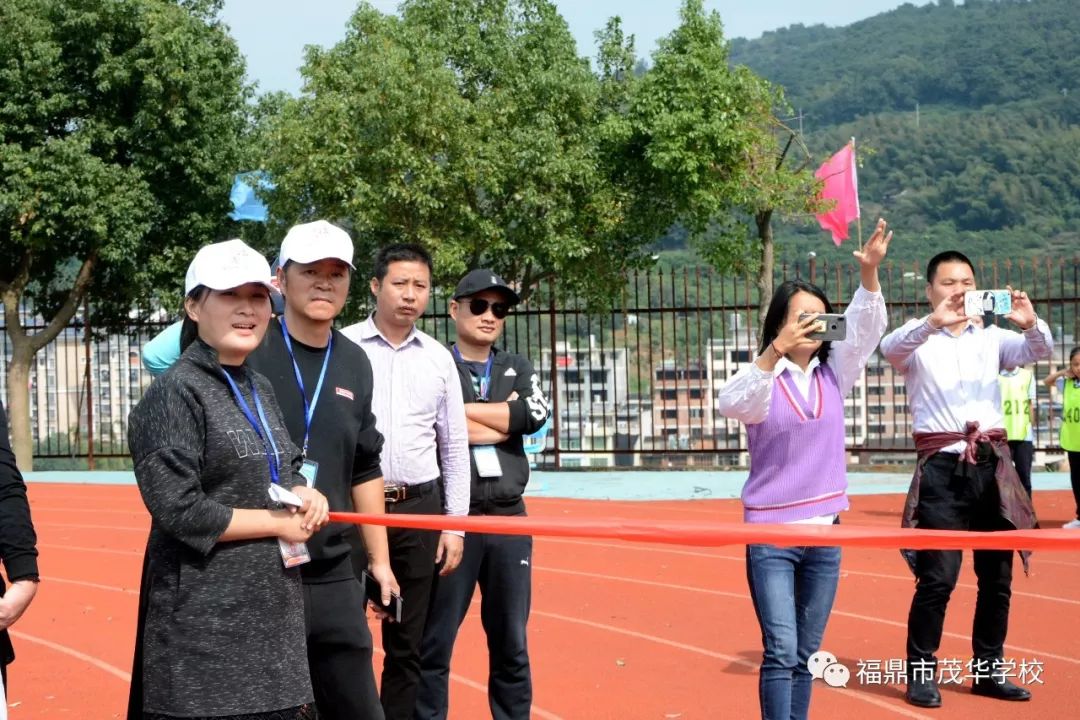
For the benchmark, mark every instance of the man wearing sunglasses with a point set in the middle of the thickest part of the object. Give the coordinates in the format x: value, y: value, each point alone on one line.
x: 503, y: 403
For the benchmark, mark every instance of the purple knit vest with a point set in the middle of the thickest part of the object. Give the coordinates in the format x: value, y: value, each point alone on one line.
x: 798, y: 465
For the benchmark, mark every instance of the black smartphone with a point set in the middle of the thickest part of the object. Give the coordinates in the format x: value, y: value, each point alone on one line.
x: 829, y: 327
x: 374, y: 595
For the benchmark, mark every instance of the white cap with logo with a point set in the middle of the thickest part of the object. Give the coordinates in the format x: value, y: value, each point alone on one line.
x: 314, y: 241
x: 225, y: 265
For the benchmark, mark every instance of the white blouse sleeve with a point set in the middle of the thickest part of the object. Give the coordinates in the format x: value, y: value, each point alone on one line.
x: 866, y: 319
x: 747, y: 395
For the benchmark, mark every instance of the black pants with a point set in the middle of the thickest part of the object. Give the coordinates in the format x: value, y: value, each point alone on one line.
x: 1023, y: 454
x: 1074, y: 476
x: 339, y: 649
x: 501, y: 566
x: 412, y: 558
x: 948, y: 501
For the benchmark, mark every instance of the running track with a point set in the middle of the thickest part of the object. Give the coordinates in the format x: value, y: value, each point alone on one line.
x: 617, y: 630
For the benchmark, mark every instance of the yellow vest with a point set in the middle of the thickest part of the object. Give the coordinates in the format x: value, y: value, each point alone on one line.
x: 1016, y: 403
x: 1070, y: 417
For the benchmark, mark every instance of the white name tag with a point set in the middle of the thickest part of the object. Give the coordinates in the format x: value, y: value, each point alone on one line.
x: 487, y: 461
x: 293, y: 553
x: 309, y: 470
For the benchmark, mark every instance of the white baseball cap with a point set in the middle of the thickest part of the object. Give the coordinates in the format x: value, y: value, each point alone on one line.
x: 225, y: 265
x: 314, y: 241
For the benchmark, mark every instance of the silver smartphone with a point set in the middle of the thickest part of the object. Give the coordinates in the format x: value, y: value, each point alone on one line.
x: 987, y: 302
x: 830, y: 326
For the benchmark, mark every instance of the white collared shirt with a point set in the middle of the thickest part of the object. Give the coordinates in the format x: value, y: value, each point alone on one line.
x: 748, y: 394
x: 953, y: 379
x: 419, y: 409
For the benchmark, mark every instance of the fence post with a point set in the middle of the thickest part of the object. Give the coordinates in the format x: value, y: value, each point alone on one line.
x: 554, y: 375
x: 89, y: 390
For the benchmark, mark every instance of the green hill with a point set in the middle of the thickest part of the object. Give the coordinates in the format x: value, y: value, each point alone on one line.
x: 990, y: 160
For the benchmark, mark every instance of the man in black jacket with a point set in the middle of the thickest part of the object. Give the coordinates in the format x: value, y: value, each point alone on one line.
x: 503, y: 402
x: 18, y: 550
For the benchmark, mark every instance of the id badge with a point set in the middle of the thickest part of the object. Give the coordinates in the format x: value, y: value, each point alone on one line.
x: 293, y: 553
x: 487, y: 461
x: 309, y: 470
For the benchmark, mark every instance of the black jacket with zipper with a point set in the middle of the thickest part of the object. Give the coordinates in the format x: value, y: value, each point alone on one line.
x: 509, y: 373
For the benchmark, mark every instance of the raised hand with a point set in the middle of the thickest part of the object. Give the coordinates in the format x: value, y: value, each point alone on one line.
x: 875, y: 249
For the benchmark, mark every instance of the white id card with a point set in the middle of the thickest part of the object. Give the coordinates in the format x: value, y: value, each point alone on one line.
x: 309, y: 470
x: 487, y: 461
x: 293, y: 553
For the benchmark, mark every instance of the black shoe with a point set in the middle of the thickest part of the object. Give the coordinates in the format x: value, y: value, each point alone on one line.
x: 999, y: 688
x: 923, y: 693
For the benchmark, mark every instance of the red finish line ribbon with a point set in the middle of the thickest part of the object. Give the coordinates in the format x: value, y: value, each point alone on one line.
x: 716, y: 534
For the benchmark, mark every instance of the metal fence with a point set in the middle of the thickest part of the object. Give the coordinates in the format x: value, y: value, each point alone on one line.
x: 631, y: 385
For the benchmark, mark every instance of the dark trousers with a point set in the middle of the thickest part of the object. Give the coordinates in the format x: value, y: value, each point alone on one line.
x: 339, y: 649
x: 500, y: 564
x: 1074, y: 476
x: 412, y: 558
x: 948, y: 501
x: 1023, y: 454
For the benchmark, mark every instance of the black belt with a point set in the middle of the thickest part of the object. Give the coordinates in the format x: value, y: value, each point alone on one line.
x: 401, y: 493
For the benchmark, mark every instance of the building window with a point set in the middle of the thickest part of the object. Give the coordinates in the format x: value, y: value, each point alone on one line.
x: 695, y: 393
x: 573, y: 377
x: 669, y: 394
x: 598, y: 377
x: 670, y: 413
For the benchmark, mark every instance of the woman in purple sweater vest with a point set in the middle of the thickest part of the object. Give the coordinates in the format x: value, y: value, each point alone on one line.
x: 798, y: 466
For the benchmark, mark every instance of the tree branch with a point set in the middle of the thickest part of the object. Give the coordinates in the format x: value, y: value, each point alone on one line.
x: 67, y: 311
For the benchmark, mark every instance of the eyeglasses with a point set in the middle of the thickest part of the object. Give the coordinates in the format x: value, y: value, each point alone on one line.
x: 479, y: 306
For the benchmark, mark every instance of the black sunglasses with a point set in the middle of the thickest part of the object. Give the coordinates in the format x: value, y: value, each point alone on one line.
x: 479, y: 306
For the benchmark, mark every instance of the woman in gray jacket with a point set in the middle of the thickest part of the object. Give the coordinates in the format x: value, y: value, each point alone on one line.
x: 221, y: 614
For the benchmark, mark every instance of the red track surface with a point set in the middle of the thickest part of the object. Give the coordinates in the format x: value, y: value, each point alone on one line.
x: 617, y: 630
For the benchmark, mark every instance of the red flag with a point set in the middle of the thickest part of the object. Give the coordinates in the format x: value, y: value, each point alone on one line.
x: 841, y: 185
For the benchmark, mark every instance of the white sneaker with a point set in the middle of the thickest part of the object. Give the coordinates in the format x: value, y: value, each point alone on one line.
x: 1072, y: 524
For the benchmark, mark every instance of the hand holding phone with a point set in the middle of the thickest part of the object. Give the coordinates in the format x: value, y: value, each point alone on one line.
x: 373, y: 592
x: 830, y: 326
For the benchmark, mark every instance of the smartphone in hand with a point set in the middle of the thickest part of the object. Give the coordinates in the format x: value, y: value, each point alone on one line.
x: 374, y: 595
x: 830, y: 326
x: 978, y: 303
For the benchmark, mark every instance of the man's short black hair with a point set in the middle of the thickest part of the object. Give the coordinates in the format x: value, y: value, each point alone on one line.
x: 401, y: 252
x: 945, y: 257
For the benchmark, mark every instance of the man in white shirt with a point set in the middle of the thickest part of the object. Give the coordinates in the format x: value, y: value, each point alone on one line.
x: 964, y: 478
x: 419, y: 410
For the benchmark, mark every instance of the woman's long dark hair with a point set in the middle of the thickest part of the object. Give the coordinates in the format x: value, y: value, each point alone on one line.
x: 778, y: 310
x: 189, y: 331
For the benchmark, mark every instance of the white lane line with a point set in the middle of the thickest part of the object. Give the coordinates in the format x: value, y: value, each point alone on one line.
x: 1033, y: 652
x: 883, y: 704
x: 72, y: 652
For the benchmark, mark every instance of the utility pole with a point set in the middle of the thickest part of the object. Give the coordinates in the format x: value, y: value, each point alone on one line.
x: 916, y: 116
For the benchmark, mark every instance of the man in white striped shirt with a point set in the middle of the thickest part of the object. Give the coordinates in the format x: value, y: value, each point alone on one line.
x: 419, y: 409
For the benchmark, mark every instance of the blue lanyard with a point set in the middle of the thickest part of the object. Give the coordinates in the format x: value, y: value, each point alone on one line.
x: 485, y: 380
x: 309, y: 410
x: 262, y: 427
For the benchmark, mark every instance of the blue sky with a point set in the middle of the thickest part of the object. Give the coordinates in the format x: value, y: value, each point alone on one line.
x: 272, y: 33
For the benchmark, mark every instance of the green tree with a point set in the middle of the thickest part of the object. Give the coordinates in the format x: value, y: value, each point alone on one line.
x: 710, y: 145
x: 119, y: 130
x: 466, y: 125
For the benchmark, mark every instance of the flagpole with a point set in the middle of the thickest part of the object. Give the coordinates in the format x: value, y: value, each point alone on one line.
x: 858, y: 220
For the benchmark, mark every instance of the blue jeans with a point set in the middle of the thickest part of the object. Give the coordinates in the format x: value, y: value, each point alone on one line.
x: 793, y: 591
